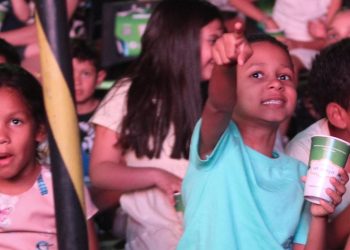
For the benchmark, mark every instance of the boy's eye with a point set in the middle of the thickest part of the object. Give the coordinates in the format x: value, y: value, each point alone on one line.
x: 86, y: 73
x: 16, y: 121
x: 257, y: 75
x: 284, y: 77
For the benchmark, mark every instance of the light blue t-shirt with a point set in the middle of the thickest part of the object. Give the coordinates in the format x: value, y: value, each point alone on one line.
x: 240, y: 199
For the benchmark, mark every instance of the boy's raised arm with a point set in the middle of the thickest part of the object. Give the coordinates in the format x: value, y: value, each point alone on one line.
x: 230, y: 49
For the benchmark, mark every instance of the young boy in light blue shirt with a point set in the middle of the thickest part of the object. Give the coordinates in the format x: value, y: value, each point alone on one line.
x: 239, y: 193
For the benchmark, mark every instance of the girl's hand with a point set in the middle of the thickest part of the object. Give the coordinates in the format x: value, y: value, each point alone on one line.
x: 168, y: 183
x: 232, y: 47
x: 317, y: 28
x: 290, y: 43
x: 269, y: 23
x: 326, y: 208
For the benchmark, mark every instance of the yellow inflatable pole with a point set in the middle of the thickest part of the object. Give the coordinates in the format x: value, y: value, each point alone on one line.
x: 52, y: 27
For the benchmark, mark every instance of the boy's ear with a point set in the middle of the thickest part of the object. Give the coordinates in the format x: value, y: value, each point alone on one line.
x: 101, y: 75
x: 337, y: 115
x: 40, y: 133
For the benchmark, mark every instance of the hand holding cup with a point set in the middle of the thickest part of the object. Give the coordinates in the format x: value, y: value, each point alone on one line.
x: 326, y: 177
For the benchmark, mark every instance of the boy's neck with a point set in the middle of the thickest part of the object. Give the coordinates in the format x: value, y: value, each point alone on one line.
x: 87, y: 107
x: 339, y: 133
x: 259, y: 138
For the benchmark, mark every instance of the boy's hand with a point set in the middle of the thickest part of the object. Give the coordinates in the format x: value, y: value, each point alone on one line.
x: 232, y: 47
x: 326, y: 208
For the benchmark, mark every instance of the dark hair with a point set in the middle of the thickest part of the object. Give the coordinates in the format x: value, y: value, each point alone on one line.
x: 14, y: 77
x: 261, y: 37
x: 329, y: 78
x: 166, y: 79
x: 9, y: 52
x: 84, y: 50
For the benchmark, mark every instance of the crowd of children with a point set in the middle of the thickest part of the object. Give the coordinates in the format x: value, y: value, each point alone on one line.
x: 156, y: 133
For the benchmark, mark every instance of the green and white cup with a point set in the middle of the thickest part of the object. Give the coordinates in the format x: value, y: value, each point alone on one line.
x: 327, y: 155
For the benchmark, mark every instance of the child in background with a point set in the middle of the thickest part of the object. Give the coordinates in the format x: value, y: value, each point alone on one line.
x: 87, y: 75
x: 293, y: 18
x: 339, y: 28
x: 27, y: 218
x: 329, y: 87
x: 25, y: 38
x: 229, y: 13
x: 239, y: 193
x: 14, y: 13
x: 144, y: 124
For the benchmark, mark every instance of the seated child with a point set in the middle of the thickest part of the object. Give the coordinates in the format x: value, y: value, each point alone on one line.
x: 294, y: 17
x: 238, y: 192
x: 87, y: 75
x: 339, y: 28
x: 27, y: 218
x: 329, y: 88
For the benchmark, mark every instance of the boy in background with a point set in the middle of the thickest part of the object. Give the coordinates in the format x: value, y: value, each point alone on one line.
x: 87, y: 75
x: 329, y: 88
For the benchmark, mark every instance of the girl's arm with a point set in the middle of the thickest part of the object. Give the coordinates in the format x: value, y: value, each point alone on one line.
x: 316, y: 44
x: 93, y: 241
x: 249, y: 9
x: 228, y: 50
x: 27, y: 34
x: 339, y: 230
x: 333, y: 9
x: 21, y: 9
x: 108, y: 169
x: 104, y: 199
x: 21, y: 36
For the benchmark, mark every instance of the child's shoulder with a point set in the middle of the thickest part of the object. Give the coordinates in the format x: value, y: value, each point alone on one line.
x: 302, y: 140
x: 120, y: 87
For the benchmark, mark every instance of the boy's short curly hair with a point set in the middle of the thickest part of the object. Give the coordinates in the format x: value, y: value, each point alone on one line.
x: 262, y: 37
x: 329, y: 77
x: 85, y: 50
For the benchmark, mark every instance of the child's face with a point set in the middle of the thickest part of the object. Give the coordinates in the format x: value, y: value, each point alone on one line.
x: 85, y: 80
x: 265, y: 86
x: 18, y: 136
x: 339, y: 28
x: 209, y: 34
